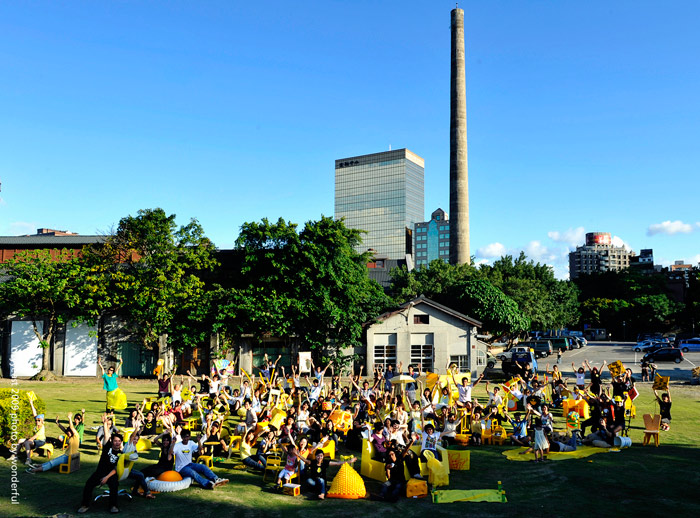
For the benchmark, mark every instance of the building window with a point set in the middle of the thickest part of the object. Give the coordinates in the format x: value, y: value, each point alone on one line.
x: 480, y: 358
x: 421, y: 319
x: 422, y: 350
x: 384, y: 350
x: 462, y: 363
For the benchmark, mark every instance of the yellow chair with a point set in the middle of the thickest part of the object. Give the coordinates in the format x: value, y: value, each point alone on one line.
x: 486, y: 432
x: 499, y: 435
x: 329, y: 449
x: 72, y: 465
x: 45, y: 451
x: 274, y: 465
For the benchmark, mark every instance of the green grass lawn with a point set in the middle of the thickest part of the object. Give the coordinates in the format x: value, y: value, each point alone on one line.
x: 637, y: 481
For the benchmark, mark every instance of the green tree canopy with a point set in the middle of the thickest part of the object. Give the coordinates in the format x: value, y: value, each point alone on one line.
x: 150, y: 271
x: 462, y: 288
x: 310, y: 285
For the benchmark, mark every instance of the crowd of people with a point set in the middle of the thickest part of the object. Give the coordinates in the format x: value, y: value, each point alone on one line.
x: 395, y: 411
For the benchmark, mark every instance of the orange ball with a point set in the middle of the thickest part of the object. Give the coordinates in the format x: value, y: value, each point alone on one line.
x: 170, y: 476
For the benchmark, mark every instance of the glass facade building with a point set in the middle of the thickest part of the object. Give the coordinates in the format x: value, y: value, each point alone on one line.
x: 381, y: 193
x: 432, y: 239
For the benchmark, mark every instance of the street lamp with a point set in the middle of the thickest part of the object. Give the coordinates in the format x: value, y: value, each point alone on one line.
x: 624, y: 331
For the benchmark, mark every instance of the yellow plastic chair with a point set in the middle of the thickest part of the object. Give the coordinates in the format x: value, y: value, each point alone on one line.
x: 274, y: 466
x: 329, y: 450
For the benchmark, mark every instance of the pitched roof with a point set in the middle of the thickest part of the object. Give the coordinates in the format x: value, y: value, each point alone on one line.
x: 50, y: 241
x: 432, y: 303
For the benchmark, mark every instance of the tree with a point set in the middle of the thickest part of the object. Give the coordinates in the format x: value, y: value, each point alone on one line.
x: 548, y: 302
x: 460, y: 288
x: 310, y: 285
x: 45, y: 287
x: 498, y: 312
x: 150, y: 272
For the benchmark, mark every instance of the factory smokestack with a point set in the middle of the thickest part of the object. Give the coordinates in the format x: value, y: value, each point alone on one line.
x: 459, y: 177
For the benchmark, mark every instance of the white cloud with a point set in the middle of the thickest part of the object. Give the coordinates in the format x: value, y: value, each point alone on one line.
x: 536, y: 251
x: 491, y: 251
x: 618, y: 241
x: 573, y: 237
x: 672, y: 227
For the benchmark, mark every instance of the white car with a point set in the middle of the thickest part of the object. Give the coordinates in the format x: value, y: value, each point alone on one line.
x: 507, y: 355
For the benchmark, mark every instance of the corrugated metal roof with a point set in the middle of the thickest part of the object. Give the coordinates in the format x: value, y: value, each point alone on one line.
x: 50, y: 241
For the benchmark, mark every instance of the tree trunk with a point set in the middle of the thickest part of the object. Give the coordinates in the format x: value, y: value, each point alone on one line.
x: 45, y: 373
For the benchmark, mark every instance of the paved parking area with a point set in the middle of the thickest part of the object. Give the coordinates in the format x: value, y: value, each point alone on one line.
x: 596, y: 352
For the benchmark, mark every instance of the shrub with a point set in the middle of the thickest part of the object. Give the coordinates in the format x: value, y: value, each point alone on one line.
x: 15, y: 401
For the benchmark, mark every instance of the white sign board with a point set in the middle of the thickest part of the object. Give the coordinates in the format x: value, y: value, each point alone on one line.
x: 25, y: 353
x: 80, y: 353
x: 305, y: 362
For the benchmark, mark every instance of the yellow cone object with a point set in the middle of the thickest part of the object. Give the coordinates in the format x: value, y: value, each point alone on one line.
x: 347, y: 484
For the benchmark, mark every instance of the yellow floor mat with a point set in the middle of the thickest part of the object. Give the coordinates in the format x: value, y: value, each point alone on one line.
x: 447, y: 496
x: 580, y: 453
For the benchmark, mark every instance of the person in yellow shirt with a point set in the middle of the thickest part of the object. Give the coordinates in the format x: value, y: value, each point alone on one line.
x: 38, y: 438
x: 72, y: 446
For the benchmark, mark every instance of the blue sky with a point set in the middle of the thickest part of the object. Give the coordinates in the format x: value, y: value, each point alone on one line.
x: 581, y: 116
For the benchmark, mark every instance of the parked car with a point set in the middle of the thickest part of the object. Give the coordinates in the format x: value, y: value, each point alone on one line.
x: 665, y: 354
x: 649, y: 348
x: 559, y: 342
x: 522, y: 358
x: 690, y: 344
x: 542, y: 348
x: 575, y: 342
x: 490, y: 360
x: 508, y: 354
x: 648, y: 345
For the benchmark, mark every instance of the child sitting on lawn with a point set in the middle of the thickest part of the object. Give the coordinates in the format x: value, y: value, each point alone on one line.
x: 290, y: 467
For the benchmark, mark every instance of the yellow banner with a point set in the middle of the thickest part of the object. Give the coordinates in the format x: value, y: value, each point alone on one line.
x: 616, y: 368
x: 661, y: 382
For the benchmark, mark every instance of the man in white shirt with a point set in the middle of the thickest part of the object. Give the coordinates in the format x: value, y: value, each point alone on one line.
x: 182, y: 451
x: 465, y: 389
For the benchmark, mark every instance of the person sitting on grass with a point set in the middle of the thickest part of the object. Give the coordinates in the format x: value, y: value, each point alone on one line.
x: 105, y: 431
x: 465, y: 389
x: 72, y: 447
x: 291, y: 466
x: 182, y: 451
x: 106, y: 473
x: 254, y: 461
x: 603, y: 438
x: 519, y: 437
x: 558, y: 445
x: 664, y: 409
x: 37, y: 439
x: 138, y: 477
x: 316, y: 478
x: 165, y: 460
x: 78, y: 424
x: 430, y: 440
x: 395, y: 476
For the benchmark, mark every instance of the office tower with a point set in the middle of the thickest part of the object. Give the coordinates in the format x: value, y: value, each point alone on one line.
x: 381, y: 193
x: 432, y: 239
x: 599, y: 254
x: 459, y: 178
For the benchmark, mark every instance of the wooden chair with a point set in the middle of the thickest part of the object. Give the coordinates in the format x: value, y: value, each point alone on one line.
x: 651, y: 429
